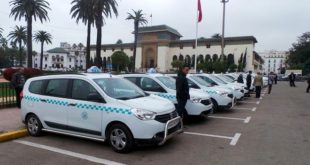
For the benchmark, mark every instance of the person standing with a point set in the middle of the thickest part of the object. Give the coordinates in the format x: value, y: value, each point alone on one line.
x: 270, y: 80
x: 17, y: 82
x: 249, y: 82
x: 258, y: 83
x: 182, y: 90
x: 308, y: 81
x: 292, y: 78
x: 240, y: 79
x: 275, y: 78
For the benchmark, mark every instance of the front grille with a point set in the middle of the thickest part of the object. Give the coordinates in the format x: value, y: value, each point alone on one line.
x: 166, y: 117
x: 230, y: 95
x: 206, y: 102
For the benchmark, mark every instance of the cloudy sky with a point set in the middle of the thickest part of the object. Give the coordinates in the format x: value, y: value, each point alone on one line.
x: 275, y: 23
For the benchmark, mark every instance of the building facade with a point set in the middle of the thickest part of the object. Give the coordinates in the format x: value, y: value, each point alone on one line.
x: 274, y: 61
x: 65, y: 57
x: 159, y: 45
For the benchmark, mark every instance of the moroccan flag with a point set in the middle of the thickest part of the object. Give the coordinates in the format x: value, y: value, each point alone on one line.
x: 199, y: 11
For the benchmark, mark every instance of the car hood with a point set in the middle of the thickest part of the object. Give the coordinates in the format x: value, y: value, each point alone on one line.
x: 218, y: 88
x: 151, y: 103
x: 198, y: 93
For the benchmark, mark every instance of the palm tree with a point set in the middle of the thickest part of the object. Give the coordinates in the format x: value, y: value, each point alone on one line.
x: 19, y: 36
x: 1, y: 31
x: 84, y: 10
x: 42, y: 37
x: 139, y: 19
x: 3, y: 43
x: 106, y: 7
x: 28, y: 9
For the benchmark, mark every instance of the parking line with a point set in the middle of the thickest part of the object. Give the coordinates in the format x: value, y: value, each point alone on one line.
x: 250, y: 109
x: 233, y: 141
x: 254, y: 109
x: 69, y: 153
x: 250, y: 102
x: 246, y: 120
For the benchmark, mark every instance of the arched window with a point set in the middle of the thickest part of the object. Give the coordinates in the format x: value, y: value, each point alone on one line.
x: 230, y: 59
x: 187, y: 60
x: 200, y: 59
x: 181, y: 58
x: 208, y: 58
x: 215, y: 57
x: 174, y: 58
x: 193, y: 61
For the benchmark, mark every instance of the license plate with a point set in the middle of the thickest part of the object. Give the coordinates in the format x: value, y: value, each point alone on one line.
x: 173, y: 124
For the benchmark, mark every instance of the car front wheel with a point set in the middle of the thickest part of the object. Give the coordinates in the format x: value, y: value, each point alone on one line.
x: 34, y: 125
x: 120, y: 138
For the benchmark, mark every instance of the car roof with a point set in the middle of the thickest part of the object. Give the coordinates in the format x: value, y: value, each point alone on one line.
x: 143, y: 75
x: 83, y: 75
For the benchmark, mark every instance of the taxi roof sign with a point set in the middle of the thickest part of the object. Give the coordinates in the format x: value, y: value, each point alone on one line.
x: 94, y: 69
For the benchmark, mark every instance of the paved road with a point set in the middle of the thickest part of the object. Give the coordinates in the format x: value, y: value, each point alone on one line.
x: 274, y: 130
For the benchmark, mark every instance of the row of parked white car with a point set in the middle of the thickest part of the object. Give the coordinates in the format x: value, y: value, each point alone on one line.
x: 110, y: 108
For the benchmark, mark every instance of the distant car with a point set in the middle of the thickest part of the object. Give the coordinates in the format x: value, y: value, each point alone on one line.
x: 99, y: 107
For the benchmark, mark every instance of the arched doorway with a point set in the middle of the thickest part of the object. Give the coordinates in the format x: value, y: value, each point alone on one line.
x: 149, y: 58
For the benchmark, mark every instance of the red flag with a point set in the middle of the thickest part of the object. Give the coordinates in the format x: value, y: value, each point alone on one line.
x: 199, y: 11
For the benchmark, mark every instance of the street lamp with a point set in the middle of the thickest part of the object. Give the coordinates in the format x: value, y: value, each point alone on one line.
x: 223, y: 28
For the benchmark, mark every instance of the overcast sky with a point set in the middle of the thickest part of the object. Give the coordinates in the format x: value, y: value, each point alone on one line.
x: 275, y: 23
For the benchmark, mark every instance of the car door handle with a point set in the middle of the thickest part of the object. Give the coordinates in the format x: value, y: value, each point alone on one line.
x: 72, y: 104
x: 43, y: 100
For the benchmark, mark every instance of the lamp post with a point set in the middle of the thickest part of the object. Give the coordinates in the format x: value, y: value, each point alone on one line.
x: 223, y: 28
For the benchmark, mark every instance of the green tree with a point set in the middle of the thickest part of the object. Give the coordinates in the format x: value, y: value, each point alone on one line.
x: 233, y: 67
x: 177, y: 64
x: 3, y: 43
x: 84, y: 10
x: 19, y: 36
x: 216, y: 36
x: 120, y: 60
x: 106, y: 8
x: 42, y: 37
x: 299, y: 57
x: 139, y: 19
x: 1, y: 31
x: 29, y: 9
x: 240, y: 63
x: 119, y: 41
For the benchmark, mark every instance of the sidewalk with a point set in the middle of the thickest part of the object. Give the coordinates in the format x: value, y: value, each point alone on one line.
x: 11, y: 126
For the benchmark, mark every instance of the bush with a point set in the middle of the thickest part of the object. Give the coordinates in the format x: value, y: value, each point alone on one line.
x: 28, y: 72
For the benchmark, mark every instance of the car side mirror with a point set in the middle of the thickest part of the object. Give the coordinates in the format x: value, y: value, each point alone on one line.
x: 95, y: 97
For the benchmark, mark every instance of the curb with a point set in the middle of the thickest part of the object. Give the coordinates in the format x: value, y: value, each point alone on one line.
x: 13, y: 135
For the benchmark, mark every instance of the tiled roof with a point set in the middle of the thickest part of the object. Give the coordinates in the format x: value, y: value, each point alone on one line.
x: 158, y: 28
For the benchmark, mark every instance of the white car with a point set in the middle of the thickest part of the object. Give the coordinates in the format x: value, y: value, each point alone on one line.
x: 220, y: 97
x: 237, y: 90
x: 199, y: 104
x: 100, y: 107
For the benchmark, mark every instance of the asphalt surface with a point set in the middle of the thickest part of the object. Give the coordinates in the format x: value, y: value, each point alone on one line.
x: 275, y: 131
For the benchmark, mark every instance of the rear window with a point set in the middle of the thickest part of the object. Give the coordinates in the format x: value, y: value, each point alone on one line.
x: 57, y: 87
x: 36, y: 87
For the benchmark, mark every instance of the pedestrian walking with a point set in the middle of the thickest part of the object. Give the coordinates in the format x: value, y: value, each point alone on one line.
x: 292, y: 79
x: 249, y: 82
x: 270, y: 79
x: 258, y: 83
x: 308, y: 81
x: 240, y: 79
x: 182, y: 90
x: 17, y: 82
x: 275, y: 78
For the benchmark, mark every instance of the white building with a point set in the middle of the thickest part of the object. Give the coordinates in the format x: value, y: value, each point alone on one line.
x: 274, y: 61
x: 159, y: 45
x: 65, y: 57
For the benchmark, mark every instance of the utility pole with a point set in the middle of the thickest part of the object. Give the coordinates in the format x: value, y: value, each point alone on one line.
x: 223, y: 29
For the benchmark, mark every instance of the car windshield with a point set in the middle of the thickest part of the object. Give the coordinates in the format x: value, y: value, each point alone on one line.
x: 120, y: 88
x: 201, y: 81
x: 167, y: 81
x: 225, y: 78
x: 216, y: 79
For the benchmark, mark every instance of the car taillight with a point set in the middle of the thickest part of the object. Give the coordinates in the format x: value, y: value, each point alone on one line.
x: 21, y: 95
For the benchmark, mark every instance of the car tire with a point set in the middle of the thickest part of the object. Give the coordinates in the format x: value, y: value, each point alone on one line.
x: 34, y: 125
x: 215, y: 105
x: 120, y: 138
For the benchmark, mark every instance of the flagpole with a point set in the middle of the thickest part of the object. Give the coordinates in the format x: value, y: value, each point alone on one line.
x: 196, y: 42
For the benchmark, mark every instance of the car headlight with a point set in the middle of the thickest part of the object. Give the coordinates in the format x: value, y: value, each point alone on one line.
x: 196, y: 100
x: 222, y: 93
x: 143, y: 114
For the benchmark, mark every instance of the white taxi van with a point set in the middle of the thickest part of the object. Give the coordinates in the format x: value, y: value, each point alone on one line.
x: 98, y: 107
x: 199, y: 104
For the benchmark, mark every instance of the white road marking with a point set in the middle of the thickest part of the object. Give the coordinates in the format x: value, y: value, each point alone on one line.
x: 237, y: 108
x: 246, y: 120
x: 257, y: 102
x: 250, y: 102
x: 233, y: 141
x: 261, y: 98
x: 254, y: 109
x: 69, y: 153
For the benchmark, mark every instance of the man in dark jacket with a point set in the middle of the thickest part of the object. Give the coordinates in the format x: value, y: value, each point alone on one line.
x: 240, y: 79
x: 249, y: 82
x: 292, y: 78
x: 17, y: 82
x: 308, y: 81
x: 182, y: 90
